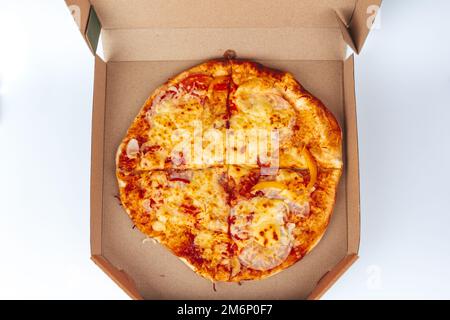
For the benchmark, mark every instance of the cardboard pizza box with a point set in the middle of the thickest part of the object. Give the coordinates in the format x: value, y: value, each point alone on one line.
x: 146, y: 42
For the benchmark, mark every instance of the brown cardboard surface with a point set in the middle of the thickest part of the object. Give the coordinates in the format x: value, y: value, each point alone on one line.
x: 305, y: 30
x: 144, y: 14
x: 330, y: 278
x: 119, y: 277
x: 141, y: 30
x: 345, y: 33
x: 359, y: 28
x: 97, y: 154
x: 156, y: 272
x: 274, y: 43
x: 351, y: 157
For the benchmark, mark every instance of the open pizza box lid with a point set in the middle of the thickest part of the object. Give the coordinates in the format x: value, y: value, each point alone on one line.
x: 146, y: 42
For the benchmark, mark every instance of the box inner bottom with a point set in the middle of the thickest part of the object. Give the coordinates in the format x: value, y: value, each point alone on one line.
x: 159, y: 274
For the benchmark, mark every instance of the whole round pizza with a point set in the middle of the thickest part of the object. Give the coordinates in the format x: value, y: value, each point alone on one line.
x: 233, y: 167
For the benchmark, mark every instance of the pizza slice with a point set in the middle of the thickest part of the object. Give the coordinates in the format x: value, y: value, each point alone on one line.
x: 168, y: 131
x: 289, y: 119
x: 276, y: 220
x: 187, y: 211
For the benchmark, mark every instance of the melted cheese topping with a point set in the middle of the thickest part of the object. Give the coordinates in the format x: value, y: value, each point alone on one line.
x: 187, y: 211
x: 259, y: 219
x: 261, y: 107
x: 175, y: 118
x: 260, y: 229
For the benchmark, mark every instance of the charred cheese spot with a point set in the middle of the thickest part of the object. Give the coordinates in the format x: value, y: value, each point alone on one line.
x: 267, y: 233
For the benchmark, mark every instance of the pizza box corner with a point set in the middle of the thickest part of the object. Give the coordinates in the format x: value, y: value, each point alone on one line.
x: 138, y: 45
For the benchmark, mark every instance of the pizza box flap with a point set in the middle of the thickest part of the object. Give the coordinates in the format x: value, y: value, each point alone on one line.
x: 139, y: 30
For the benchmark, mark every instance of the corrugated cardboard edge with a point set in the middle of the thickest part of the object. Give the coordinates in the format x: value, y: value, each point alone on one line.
x: 352, y: 158
x: 359, y: 27
x: 97, y: 144
x: 331, y: 277
x: 118, y: 276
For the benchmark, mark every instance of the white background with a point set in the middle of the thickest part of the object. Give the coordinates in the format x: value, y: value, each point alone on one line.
x: 403, y: 92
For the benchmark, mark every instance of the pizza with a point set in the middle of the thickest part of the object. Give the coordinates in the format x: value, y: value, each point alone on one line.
x: 233, y: 167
